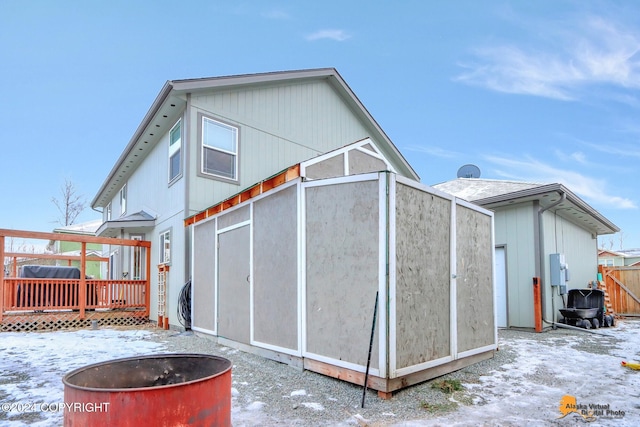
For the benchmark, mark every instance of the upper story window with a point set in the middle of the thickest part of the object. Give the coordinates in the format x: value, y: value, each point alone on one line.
x: 219, y: 149
x: 175, y: 149
x: 123, y: 199
x: 108, y: 210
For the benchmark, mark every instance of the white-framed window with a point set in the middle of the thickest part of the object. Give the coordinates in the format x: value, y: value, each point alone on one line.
x: 165, y: 247
x: 607, y: 262
x: 123, y: 199
x: 108, y: 211
x: 175, y: 152
x: 219, y: 149
x: 114, y: 266
x: 137, y: 258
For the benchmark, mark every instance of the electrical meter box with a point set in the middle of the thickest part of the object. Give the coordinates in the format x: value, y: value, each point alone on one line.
x: 559, y: 272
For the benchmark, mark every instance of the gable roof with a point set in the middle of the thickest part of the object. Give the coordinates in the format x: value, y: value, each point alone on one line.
x: 491, y: 194
x: 89, y: 227
x: 472, y: 189
x: 172, y: 100
x: 605, y: 253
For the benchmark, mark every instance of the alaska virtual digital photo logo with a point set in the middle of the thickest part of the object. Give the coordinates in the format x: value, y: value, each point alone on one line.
x: 589, y: 412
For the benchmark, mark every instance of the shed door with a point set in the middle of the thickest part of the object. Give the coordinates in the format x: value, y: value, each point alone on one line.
x: 234, y: 284
x: 501, y: 286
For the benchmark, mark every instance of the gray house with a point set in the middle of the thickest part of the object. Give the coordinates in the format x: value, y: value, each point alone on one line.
x: 202, y: 141
x: 532, y: 222
x: 287, y: 207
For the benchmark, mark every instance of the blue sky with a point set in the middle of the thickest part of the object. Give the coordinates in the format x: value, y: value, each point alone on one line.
x: 544, y: 91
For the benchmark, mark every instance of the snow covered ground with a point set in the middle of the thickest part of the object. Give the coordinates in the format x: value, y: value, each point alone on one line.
x: 583, y: 369
x: 542, y: 370
x: 38, y: 361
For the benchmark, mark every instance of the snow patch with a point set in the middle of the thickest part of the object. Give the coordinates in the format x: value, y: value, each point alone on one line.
x: 313, y: 405
x: 255, y: 406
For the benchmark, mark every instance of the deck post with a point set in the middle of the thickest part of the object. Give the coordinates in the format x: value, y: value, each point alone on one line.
x: 147, y: 288
x: 2, y: 278
x: 82, y: 294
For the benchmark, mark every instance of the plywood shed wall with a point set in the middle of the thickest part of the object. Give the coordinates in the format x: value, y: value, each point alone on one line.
x: 305, y: 260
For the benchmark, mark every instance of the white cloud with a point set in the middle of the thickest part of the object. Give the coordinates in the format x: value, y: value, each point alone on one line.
x: 576, y: 156
x: 618, y: 149
x: 532, y: 170
x: 591, y: 52
x: 331, y: 34
x: 511, y: 70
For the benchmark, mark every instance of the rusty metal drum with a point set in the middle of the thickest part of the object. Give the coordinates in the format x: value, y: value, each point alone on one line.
x: 156, y: 390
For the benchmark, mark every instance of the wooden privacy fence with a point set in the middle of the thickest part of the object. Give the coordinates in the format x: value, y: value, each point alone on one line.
x: 622, y: 285
x: 28, y: 303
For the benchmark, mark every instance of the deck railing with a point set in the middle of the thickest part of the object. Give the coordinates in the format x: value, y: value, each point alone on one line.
x: 20, y: 294
x: 26, y: 294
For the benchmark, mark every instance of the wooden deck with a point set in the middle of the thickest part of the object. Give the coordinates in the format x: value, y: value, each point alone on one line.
x: 46, y: 303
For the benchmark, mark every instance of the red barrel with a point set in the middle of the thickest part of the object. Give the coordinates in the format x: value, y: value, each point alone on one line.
x: 159, y: 390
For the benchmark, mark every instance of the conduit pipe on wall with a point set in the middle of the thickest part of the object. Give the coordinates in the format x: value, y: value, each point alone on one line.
x: 540, y: 273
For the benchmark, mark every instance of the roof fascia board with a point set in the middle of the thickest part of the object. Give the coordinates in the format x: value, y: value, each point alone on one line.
x: 187, y: 85
x: 153, y: 110
x: 521, y: 194
x: 359, y: 106
x: 543, y: 189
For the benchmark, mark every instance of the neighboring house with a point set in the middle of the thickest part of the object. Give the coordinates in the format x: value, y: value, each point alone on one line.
x: 533, y: 221
x: 94, y: 269
x: 66, y: 248
x: 623, y: 258
x: 204, y: 140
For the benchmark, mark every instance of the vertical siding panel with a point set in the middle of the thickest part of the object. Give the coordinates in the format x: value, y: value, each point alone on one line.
x: 279, y: 126
x: 514, y: 228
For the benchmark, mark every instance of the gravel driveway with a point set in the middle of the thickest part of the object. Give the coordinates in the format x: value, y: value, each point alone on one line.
x: 523, y: 385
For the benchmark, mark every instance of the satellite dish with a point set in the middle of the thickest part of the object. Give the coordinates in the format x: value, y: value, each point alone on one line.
x: 469, y: 171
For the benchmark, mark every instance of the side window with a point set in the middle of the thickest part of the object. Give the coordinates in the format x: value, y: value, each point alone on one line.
x: 219, y: 149
x: 123, y: 199
x: 175, y: 150
x: 165, y: 247
x: 114, y: 266
x: 137, y: 259
x: 108, y: 212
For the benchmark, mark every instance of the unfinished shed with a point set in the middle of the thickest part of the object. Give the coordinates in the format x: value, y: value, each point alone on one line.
x: 290, y: 268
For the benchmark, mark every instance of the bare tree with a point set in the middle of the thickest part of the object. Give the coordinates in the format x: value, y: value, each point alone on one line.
x: 70, y: 205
